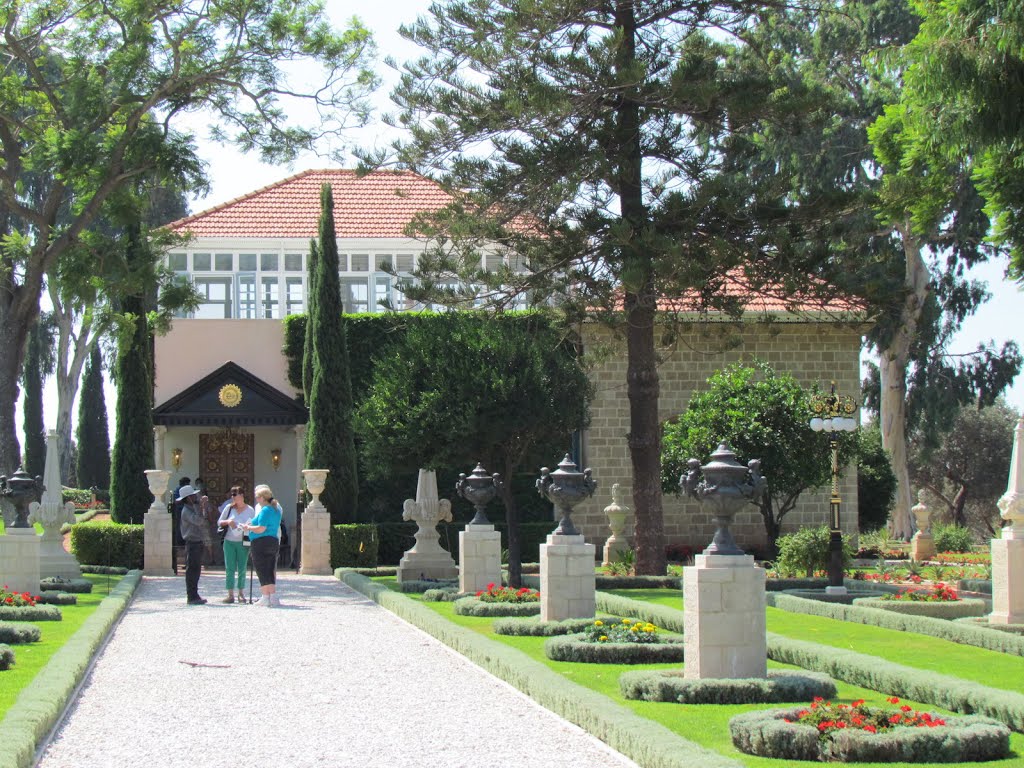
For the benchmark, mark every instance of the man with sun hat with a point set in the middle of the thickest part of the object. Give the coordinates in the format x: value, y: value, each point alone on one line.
x: 196, y: 533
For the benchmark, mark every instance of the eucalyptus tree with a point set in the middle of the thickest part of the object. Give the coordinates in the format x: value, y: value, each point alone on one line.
x: 91, y: 96
x: 585, y: 144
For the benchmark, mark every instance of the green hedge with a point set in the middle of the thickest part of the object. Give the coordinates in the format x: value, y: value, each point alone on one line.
x: 981, y: 586
x: 40, y: 705
x: 58, y: 584
x: 471, y: 606
x: 51, y: 597
x: 957, y: 632
x: 575, y: 648
x: 108, y: 544
x: 670, y: 685
x: 6, y: 658
x: 767, y: 733
x: 639, y: 738
x: 534, y: 628
x: 113, y: 570
x: 19, y: 634
x: 30, y: 613
x: 354, y: 546
x: 946, y: 609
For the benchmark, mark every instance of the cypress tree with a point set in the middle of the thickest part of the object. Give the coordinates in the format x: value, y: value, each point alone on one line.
x: 133, y: 440
x: 32, y: 423
x: 330, y: 442
x: 93, y: 461
x: 307, y: 350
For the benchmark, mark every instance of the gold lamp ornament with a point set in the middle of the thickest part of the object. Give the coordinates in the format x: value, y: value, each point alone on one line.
x: 176, y: 457
x: 275, y: 458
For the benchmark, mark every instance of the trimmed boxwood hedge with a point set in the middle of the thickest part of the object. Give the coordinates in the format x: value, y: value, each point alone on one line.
x: 113, y: 570
x: 576, y: 648
x: 981, y: 586
x: 19, y: 634
x: 536, y: 628
x: 108, y: 544
x: 30, y: 613
x: 947, y: 610
x: 6, y: 658
x: 671, y: 686
x: 983, y: 622
x: 417, y: 586
x: 354, y: 545
x: 57, y: 584
x: 963, y: 631
x: 962, y: 740
x: 442, y: 595
x: 472, y: 606
x: 57, y: 598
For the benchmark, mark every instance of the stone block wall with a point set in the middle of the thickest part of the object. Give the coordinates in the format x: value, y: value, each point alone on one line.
x: 814, y: 352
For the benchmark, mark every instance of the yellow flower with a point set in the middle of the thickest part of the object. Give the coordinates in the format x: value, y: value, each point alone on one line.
x: 635, y: 628
x: 598, y: 623
x: 602, y: 638
x: 625, y: 621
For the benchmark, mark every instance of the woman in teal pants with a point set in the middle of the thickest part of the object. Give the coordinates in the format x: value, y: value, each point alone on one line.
x: 233, y: 516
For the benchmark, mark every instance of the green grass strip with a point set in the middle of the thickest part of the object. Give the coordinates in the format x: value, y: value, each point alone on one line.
x: 642, y: 740
x: 37, y: 709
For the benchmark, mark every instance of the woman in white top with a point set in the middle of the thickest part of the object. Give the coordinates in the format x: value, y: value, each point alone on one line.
x: 236, y: 554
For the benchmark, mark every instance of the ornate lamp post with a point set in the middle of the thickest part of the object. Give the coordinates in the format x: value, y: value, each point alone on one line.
x: 833, y: 413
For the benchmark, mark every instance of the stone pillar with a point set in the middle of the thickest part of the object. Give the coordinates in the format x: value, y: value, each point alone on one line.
x: 616, y: 512
x: 157, y: 528
x: 19, y: 560
x: 922, y: 545
x: 316, y: 528
x: 567, y: 580
x: 427, y: 559
x: 1008, y: 552
x: 724, y: 618
x: 479, y: 557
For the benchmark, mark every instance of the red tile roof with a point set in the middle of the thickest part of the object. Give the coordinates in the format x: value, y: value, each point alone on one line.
x: 379, y: 204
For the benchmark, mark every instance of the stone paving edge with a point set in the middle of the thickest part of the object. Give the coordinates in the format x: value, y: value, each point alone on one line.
x: 39, y: 708
x: 647, y: 743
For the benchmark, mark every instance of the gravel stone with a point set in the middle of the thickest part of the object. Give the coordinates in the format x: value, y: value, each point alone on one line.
x: 328, y: 679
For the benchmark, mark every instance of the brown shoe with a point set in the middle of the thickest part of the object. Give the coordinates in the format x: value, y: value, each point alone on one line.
x: 228, y: 599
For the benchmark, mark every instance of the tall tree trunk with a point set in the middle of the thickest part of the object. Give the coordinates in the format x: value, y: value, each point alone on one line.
x: 17, y: 314
x: 893, y: 362
x: 515, y: 539
x: 642, y: 384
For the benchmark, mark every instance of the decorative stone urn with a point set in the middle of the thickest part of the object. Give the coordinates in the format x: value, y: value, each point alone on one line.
x: 316, y: 480
x: 478, y: 488
x: 726, y: 486
x: 616, y: 512
x: 565, y: 488
x: 158, y: 480
x: 922, y: 545
x: 426, y: 559
x: 21, y: 489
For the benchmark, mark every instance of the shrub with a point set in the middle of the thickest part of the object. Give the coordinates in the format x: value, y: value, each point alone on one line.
x: 580, y: 649
x: 806, y: 551
x: 773, y: 733
x: 81, y: 497
x: 981, y: 586
x: 474, y: 606
x: 108, y: 544
x: 441, y: 595
x: 955, y: 609
x: 423, y: 585
x: 622, y: 631
x: 680, y: 553
x: 533, y: 628
x: 57, y: 598
x: 6, y: 658
x: 19, y: 634
x: 113, y: 570
x: 952, y: 538
x: 30, y: 613
x: 670, y: 685
x: 58, y: 584
x: 354, y: 545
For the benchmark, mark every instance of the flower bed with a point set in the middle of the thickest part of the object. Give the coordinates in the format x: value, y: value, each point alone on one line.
x: 953, y: 609
x: 500, y: 594
x: 11, y: 599
x: 854, y: 733
x: 474, y: 606
x: 670, y: 685
x: 622, y: 641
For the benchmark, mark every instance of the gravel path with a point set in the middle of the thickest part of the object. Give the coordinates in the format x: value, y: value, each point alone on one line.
x: 330, y: 679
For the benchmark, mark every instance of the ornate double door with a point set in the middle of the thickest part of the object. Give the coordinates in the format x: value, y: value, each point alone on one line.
x: 227, y: 459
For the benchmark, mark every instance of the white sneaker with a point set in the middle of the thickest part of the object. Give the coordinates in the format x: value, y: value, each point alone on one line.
x: 264, y: 601
x: 275, y: 601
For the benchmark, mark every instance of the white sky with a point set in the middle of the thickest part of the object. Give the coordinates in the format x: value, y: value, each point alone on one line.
x: 233, y: 174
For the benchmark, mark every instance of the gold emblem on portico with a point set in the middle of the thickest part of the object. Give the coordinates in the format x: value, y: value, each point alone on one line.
x: 230, y: 395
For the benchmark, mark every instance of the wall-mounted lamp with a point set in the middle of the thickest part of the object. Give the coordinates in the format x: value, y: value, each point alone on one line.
x: 275, y: 458
x: 176, y: 457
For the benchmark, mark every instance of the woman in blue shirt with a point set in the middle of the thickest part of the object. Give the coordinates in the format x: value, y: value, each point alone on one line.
x: 263, y: 532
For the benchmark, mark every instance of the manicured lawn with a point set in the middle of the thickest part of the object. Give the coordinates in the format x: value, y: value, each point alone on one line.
x: 30, y: 658
x: 707, y: 724
x: 991, y: 668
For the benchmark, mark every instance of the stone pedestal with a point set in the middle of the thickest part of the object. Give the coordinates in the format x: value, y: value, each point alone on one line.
x: 158, y: 545
x: 567, y: 580
x: 19, y: 560
x: 724, y: 618
x: 922, y: 547
x: 1007, y: 579
x: 316, y: 542
x: 479, y: 558
x: 426, y: 559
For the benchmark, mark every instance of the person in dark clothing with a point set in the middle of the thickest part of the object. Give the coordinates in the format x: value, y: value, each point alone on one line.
x: 196, y: 533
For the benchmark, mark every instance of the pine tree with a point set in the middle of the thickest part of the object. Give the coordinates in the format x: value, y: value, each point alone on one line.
x: 133, y: 441
x: 93, y: 464
x: 33, y: 423
x: 330, y: 441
